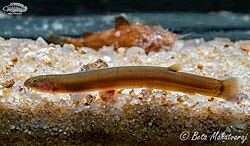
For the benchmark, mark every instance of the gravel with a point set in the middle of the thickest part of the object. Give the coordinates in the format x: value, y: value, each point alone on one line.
x: 136, y: 116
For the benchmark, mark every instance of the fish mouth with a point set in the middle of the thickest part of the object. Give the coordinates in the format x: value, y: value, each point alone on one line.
x: 26, y: 84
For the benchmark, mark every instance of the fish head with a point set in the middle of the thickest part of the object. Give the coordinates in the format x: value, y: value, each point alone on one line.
x: 40, y: 83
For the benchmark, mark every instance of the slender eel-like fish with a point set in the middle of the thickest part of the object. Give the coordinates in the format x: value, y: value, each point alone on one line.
x: 134, y: 77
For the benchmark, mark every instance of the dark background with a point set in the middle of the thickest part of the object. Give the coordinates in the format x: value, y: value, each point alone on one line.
x: 77, y: 7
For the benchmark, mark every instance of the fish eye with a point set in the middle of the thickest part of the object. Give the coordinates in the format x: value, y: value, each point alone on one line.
x: 35, y: 80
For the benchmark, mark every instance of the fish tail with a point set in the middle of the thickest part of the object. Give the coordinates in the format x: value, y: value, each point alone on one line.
x: 230, y: 89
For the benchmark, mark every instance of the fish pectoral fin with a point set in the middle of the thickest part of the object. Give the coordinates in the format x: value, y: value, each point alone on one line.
x: 119, y: 21
x: 175, y: 67
x: 87, y: 34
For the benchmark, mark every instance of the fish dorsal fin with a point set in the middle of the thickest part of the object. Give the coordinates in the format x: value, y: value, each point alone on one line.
x: 119, y: 21
x: 175, y: 67
x: 86, y: 34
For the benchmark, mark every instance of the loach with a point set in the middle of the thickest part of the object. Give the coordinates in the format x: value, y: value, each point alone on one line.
x: 135, y: 77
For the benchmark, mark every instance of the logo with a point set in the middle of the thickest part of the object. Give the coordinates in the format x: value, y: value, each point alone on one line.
x: 15, y: 8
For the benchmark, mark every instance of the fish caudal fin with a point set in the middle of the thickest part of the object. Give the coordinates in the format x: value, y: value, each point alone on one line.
x: 230, y: 89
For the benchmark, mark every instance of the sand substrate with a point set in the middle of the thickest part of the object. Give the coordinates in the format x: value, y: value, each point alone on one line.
x: 135, y: 116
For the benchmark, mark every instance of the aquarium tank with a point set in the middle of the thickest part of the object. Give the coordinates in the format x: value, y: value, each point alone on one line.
x: 128, y: 72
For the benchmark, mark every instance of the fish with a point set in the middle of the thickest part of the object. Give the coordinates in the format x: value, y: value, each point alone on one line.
x: 154, y: 77
x: 15, y: 8
x: 124, y: 34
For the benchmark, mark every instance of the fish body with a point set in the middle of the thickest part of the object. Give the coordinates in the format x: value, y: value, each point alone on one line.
x: 134, y: 77
x: 15, y: 8
x: 124, y: 34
